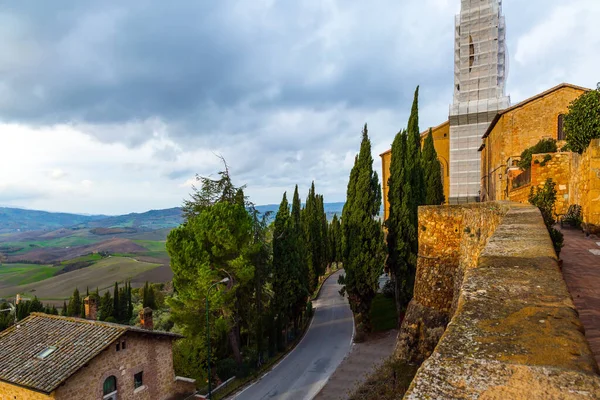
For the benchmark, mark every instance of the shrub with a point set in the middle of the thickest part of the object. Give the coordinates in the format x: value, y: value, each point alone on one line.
x: 582, y: 122
x: 389, y: 289
x: 543, y: 146
x: 226, y: 368
x: 544, y: 198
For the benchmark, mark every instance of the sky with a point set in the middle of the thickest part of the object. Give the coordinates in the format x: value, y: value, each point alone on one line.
x: 113, y: 107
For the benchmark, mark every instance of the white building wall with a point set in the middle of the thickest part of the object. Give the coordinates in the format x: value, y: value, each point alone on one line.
x: 479, y: 91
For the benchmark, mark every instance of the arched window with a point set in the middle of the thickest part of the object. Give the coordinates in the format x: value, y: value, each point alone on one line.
x: 109, y: 389
x: 471, y: 53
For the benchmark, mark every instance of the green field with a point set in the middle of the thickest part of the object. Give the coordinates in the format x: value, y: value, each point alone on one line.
x: 22, y: 274
x: 103, y: 274
x: 68, y: 241
x: 152, y: 245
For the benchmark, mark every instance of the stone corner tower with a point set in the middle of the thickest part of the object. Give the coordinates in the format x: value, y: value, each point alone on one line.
x: 480, y: 65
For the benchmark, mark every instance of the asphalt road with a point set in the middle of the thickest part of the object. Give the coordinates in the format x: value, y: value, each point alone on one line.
x: 304, y: 371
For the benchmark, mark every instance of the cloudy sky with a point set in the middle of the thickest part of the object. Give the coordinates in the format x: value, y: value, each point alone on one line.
x: 112, y: 107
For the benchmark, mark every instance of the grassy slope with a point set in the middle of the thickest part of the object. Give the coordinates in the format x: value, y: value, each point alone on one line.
x: 103, y: 275
x: 152, y: 245
x: 22, y: 274
x: 68, y: 241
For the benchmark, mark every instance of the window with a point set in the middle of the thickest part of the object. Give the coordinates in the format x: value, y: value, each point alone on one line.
x: 45, y: 353
x: 110, y: 386
x: 118, y: 346
x: 561, y: 127
x: 138, y: 379
x: 123, y: 345
x: 471, y: 53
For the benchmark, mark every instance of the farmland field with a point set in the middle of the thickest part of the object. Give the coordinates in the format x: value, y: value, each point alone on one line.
x: 102, y: 274
x: 152, y: 245
x: 22, y: 274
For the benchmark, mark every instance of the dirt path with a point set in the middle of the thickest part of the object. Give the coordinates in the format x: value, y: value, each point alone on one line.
x: 363, y: 359
x: 581, y: 270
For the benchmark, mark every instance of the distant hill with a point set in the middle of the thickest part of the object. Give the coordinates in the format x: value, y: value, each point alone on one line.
x: 14, y: 220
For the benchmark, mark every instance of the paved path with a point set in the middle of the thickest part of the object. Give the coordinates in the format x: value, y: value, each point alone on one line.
x: 581, y: 270
x: 308, y: 367
x: 362, y: 361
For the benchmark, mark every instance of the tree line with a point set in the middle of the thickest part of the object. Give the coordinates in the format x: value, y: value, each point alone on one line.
x: 415, y: 179
x: 273, y: 268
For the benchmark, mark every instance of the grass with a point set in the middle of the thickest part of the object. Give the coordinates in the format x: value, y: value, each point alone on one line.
x: 388, y: 382
x: 22, y: 274
x: 68, y: 241
x: 152, y: 245
x: 89, y: 257
x: 103, y: 274
x: 383, y: 313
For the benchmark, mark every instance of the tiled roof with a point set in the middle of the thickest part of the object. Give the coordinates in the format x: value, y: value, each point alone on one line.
x: 76, y: 340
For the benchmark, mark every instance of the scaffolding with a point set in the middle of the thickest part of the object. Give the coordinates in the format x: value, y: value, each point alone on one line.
x: 480, y: 64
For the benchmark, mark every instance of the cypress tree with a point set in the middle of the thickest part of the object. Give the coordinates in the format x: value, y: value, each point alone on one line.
x: 283, y: 290
x: 324, y: 244
x: 64, y: 311
x: 116, y: 303
x: 74, y: 307
x: 413, y: 154
x: 299, y: 259
x: 129, y: 302
x: 105, y: 310
x: 434, y: 187
x: 362, y: 234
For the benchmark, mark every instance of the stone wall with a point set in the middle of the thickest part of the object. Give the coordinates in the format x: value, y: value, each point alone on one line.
x: 150, y: 354
x: 450, y: 239
x: 584, y: 185
x: 514, y: 332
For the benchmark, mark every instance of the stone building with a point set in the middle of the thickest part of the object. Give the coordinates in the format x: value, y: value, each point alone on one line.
x: 52, y: 357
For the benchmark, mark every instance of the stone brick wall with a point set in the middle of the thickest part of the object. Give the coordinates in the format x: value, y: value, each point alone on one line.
x: 450, y: 239
x: 558, y: 168
x: 12, y: 392
x: 521, y: 194
x: 150, y: 354
x: 514, y: 332
x: 584, y: 185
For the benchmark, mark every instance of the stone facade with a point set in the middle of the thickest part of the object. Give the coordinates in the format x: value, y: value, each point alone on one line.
x: 515, y: 130
x: 12, y: 392
x: 441, y: 142
x: 514, y: 332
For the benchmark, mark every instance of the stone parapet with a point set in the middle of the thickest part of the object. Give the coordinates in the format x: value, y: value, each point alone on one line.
x: 514, y: 332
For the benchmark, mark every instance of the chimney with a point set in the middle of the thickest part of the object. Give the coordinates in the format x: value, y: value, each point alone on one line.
x: 90, y: 308
x: 146, y: 318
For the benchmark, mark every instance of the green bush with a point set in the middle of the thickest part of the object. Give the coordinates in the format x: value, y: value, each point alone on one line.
x: 226, y: 368
x: 544, y: 198
x: 582, y: 123
x: 541, y: 147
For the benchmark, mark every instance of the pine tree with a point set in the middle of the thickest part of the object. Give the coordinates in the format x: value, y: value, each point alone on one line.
x: 362, y: 235
x: 74, y: 307
x: 116, y: 303
x: 434, y: 186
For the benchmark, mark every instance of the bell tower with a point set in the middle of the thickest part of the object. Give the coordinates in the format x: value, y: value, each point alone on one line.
x: 480, y: 70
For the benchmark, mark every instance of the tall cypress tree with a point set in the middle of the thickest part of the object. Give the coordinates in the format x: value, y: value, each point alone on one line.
x: 116, y: 303
x: 74, y: 307
x: 299, y: 259
x: 283, y: 290
x: 362, y: 234
x: 324, y: 245
x: 312, y: 231
x: 432, y: 170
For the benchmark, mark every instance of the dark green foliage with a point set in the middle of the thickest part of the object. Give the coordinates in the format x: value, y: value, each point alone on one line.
x: 74, y: 309
x: 582, y: 123
x: 544, y: 198
x: 312, y: 222
x: 383, y: 313
x: 148, y: 299
x: 432, y: 170
x: 105, y: 308
x: 300, y: 259
x: 362, y: 234
x: 116, y: 303
x: 541, y: 147
x: 405, y: 193
x: 64, y: 310
x: 335, y: 240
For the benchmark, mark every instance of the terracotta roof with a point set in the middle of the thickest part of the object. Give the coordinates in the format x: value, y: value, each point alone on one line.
x: 529, y: 100
x: 75, y: 341
x: 425, y: 132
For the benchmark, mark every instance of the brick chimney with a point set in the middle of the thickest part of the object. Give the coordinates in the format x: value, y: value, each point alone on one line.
x: 91, y: 309
x: 146, y: 318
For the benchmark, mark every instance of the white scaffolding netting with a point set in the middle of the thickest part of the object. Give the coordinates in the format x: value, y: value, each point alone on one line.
x: 479, y: 90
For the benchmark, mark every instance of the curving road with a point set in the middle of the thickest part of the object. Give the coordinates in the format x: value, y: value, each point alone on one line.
x: 304, y: 371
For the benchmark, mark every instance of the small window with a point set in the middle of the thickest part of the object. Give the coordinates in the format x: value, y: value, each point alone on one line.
x: 561, y: 127
x: 471, y: 53
x: 45, y: 353
x: 118, y: 346
x: 123, y: 345
x: 138, y: 379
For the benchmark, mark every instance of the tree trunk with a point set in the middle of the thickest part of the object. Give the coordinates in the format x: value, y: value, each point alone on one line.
x: 235, y: 345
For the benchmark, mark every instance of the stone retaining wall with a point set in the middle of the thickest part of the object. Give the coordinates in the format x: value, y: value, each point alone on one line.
x: 514, y: 332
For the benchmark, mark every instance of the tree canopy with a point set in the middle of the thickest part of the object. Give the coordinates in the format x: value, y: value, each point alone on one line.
x: 582, y: 122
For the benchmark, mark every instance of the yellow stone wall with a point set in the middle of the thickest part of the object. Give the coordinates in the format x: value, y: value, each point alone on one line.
x: 518, y: 129
x: 11, y: 392
x: 584, y: 185
x: 441, y: 142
